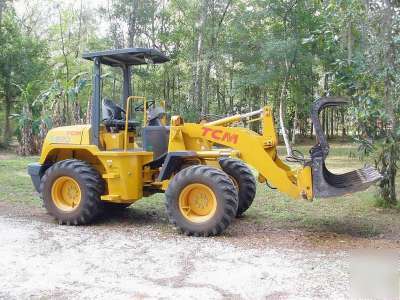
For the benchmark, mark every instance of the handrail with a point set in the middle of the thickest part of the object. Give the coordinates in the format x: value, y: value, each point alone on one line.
x: 128, y: 100
x: 231, y: 119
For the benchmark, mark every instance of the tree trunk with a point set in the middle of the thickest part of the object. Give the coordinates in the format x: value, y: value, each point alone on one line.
x: 7, y: 108
x: 389, y: 62
x: 76, y: 113
x: 27, y: 143
x: 349, y: 43
x: 210, y: 59
x: 231, y: 87
x: 282, y: 112
x: 337, y: 122
x: 295, y: 125
x: 343, y: 123
x: 43, y: 129
x: 311, y: 129
x: 218, y: 98
x: 2, y: 7
x: 88, y: 109
x: 326, y: 117
x: 7, y: 112
x: 332, y: 122
x: 78, y: 44
x: 211, y: 51
x: 132, y: 24
x: 391, y: 154
x: 204, y: 102
x: 198, y: 73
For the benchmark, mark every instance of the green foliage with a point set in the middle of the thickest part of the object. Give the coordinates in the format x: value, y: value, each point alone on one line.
x: 22, y: 63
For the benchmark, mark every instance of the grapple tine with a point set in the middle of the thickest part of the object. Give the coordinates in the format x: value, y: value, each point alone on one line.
x: 325, y: 183
x: 317, y: 107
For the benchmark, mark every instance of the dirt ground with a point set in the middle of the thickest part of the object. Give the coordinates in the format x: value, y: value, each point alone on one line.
x: 117, y: 258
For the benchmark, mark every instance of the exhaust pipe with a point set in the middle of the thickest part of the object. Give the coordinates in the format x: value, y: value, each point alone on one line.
x: 325, y: 183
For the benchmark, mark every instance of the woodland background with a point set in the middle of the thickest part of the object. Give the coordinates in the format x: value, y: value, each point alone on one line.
x: 227, y: 56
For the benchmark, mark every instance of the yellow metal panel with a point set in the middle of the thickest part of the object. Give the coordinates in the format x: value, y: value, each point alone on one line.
x: 65, y: 135
x: 86, y: 134
x: 112, y: 141
x: 218, y: 153
x: 176, y: 141
x: 124, y: 174
x: 269, y: 132
x: 115, y: 141
x: 64, y: 151
x: 122, y: 170
x: 212, y: 162
x: 111, y: 175
x: 112, y: 198
x: 304, y: 182
x: 180, y: 140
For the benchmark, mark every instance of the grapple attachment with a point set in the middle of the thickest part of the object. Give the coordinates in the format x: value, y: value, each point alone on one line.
x: 325, y: 183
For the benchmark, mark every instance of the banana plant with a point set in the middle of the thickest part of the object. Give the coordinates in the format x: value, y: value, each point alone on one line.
x: 27, y: 127
x: 61, y: 99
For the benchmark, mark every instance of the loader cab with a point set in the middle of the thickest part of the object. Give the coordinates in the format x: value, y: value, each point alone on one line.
x: 115, y: 122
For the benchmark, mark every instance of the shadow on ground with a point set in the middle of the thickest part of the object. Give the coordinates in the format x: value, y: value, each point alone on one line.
x: 133, y: 216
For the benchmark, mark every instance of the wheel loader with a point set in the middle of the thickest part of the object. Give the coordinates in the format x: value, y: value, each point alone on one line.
x: 203, y: 168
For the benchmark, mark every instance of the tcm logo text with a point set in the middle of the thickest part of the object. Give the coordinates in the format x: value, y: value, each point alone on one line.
x: 220, y: 135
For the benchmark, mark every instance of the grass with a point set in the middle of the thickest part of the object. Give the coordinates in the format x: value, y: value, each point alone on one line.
x: 355, y: 214
x: 15, y: 183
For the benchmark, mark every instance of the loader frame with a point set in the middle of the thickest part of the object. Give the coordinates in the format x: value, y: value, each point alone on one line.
x: 103, y: 163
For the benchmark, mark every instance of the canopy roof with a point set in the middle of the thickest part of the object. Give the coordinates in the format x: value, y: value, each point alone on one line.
x: 128, y: 56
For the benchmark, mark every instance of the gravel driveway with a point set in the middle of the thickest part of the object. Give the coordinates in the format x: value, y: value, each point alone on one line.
x: 39, y: 259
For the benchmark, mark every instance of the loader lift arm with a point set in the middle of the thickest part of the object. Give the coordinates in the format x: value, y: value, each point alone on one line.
x: 259, y: 150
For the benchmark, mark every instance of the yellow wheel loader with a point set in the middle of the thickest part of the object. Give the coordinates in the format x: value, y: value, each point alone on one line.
x: 85, y: 170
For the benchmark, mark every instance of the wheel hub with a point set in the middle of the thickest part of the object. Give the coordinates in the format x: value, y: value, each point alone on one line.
x: 66, y: 193
x: 197, y: 202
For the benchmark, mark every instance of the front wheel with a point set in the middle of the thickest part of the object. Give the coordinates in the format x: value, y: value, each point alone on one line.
x: 71, y: 191
x: 201, y: 201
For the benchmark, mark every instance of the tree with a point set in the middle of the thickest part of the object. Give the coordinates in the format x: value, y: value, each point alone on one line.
x: 380, y: 72
x: 363, y: 65
x: 22, y: 59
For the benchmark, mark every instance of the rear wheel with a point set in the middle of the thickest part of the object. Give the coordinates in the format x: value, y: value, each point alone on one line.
x: 71, y: 191
x: 243, y: 179
x: 201, y: 201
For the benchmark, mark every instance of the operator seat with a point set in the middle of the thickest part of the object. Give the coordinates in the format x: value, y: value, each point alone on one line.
x: 114, y: 116
x: 155, y: 135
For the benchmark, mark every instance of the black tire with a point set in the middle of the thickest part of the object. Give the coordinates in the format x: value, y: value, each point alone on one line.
x: 223, y: 189
x: 90, y: 183
x: 244, y: 179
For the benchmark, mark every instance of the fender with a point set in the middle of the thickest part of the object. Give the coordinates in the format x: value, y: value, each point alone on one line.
x: 170, y: 162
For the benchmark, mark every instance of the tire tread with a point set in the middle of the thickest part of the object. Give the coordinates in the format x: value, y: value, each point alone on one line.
x: 94, y: 184
x: 247, y: 182
x: 225, y: 186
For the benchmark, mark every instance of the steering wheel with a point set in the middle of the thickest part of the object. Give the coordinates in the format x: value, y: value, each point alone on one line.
x: 140, y: 107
